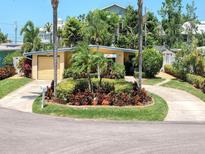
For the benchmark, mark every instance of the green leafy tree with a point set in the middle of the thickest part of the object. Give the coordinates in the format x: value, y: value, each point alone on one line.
x: 171, y: 13
x: 152, y: 62
x: 29, y: 32
x: 3, y: 38
x: 72, y: 32
x: 37, y: 45
x: 152, y: 36
x: 8, y: 60
x: 190, y: 60
x: 129, y: 29
x: 192, y: 19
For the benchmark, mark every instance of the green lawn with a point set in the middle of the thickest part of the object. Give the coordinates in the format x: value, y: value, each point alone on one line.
x: 152, y: 81
x: 157, y: 112
x: 9, y: 85
x: 177, y: 84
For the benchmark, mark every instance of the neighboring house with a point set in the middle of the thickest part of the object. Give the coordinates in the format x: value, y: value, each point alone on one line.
x: 47, y: 36
x: 200, y: 28
x: 117, y: 9
x: 6, y: 49
x: 42, y: 61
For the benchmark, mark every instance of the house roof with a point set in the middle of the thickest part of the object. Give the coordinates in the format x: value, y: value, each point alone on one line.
x: 114, y: 5
x: 10, y: 47
x: 73, y: 48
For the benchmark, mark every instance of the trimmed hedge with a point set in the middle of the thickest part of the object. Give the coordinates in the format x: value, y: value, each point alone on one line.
x: 170, y: 70
x: 197, y: 81
x: 6, y: 72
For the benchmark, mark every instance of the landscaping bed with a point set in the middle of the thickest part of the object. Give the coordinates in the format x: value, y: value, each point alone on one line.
x: 155, y: 112
x: 106, y: 92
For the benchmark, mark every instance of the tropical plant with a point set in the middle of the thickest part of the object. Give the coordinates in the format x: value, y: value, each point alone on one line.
x: 84, y: 60
x: 48, y: 29
x: 72, y: 32
x: 29, y: 32
x: 8, y: 60
x: 3, y: 38
x: 37, y: 45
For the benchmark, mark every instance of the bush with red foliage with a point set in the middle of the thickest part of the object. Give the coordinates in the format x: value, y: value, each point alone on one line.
x: 137, y: 97
x: 6, y: 72
x: 25, y: 66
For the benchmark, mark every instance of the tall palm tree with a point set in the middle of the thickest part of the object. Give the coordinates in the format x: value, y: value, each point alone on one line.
x: 140, y: 27
x: 48, y: 28
x: 29, y: 32
x: 96, y: 27
x: 55, y: 54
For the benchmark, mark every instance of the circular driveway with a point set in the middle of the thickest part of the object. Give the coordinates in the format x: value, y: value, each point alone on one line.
x: 31, y: 133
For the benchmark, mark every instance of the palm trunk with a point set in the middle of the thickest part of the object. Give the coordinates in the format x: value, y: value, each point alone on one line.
x: 55, y: 54
x: 98, y: 67
x: 90, y: 83
x: 140, y: 26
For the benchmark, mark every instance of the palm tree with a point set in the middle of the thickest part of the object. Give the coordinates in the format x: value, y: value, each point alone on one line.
x: 48, y: 28
x: 140, y: 24
x: 84, y: 60
x: 29, y: 32
x: 55, y: 55
x: 96, y: 26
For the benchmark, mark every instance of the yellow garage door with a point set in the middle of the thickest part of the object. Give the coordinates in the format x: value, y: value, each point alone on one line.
x: 45, y: 68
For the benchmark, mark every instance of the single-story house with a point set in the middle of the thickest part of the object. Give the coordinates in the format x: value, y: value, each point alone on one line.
x: 42, y: 61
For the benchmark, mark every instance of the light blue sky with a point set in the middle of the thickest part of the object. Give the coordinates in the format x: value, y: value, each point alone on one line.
x: 40, y: 11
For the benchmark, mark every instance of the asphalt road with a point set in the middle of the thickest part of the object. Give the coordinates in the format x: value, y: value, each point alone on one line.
x: 31, y: 133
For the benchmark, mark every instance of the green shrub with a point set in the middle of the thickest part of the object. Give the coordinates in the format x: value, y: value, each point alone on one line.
x: 69, y: 86
x: 169, y: 69
x: 113, y: 71
x: 152, y: 62
x: 197, y: 81
x: 118, y: 70
x: 66, y: 88
x: 8, y: 60
x: 70, y: 73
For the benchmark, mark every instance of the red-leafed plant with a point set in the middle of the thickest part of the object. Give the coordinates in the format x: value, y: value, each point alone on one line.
x: 6, y: 72
x: 25, y: 67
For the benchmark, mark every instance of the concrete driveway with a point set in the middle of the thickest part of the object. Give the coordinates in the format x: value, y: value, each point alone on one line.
x: 182, y: 105
x: 29, y: 133
x: 23, y: 98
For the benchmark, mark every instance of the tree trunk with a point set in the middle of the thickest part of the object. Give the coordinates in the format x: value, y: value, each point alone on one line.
x: 55, y: 50
x: 90, y: 83
x: 140, y: 27
x: 98, y: 67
